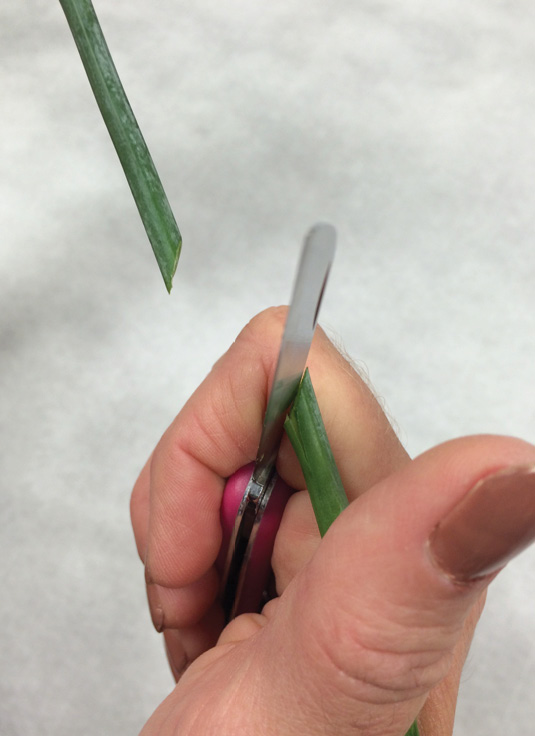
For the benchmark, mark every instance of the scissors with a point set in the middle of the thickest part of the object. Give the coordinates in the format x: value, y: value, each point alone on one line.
x: 255, y: 496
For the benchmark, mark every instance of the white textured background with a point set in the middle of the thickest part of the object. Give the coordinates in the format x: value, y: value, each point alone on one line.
x: 410, y: 126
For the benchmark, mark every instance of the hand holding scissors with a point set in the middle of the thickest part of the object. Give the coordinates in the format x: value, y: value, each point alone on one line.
x: 371, y: 624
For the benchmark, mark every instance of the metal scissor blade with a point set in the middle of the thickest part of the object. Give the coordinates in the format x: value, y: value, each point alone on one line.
x: 316, y: 259
x: 252, y: 509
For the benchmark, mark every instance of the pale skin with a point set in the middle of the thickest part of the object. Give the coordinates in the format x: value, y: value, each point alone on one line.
x: 367, y: 632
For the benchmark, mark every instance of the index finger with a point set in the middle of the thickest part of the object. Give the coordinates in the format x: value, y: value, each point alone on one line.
x: 216, y: 432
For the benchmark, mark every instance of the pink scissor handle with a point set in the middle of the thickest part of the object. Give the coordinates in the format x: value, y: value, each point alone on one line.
x: 258, y: 568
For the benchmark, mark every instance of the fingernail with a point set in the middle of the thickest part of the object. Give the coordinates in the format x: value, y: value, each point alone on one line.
x: 155, y: 604
x: 491, y: 525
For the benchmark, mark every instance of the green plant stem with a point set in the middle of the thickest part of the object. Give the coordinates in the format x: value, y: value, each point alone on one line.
x: 141, y: 174
x: 304, y: 426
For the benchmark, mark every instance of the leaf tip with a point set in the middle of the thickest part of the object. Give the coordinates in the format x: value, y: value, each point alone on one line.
x: 168, y: 273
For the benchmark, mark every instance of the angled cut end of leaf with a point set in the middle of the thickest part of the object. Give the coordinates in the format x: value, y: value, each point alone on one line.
x: 169, y: 264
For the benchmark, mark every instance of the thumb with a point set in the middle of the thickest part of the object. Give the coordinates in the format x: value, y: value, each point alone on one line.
x: 369, y: 626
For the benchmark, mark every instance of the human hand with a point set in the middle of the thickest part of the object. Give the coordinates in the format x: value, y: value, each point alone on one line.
x: 372, y: 623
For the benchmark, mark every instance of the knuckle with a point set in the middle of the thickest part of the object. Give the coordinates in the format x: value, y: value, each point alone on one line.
x: 377, y: 660
x: 265, y: 329
x: 269, y: 319
x: 376, y: 675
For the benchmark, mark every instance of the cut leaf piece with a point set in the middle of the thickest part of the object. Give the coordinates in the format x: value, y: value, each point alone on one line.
x: 150, y: 198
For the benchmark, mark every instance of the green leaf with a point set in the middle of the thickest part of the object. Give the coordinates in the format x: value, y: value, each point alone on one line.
x: 413, y: 730
x: 141, y: 174
x: 304, y: 426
